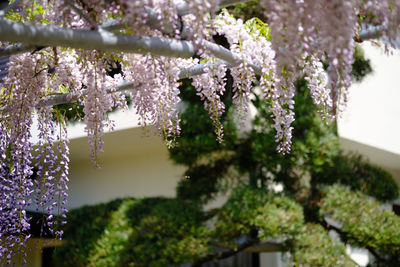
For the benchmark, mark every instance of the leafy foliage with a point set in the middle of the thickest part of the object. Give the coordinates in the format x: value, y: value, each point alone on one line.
x: 199, y: 136
x: 274, y: 216
x: 354, y: 171
x: 361, y: 65
x: 134, y: 232
x: 85, y: 226
x: 197, y: 188
x: 314, y: 247
x: 364, y: 221
x: 247, y: 10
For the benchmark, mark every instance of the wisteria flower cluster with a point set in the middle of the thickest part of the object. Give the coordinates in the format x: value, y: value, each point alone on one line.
x: 19, y: 183
x: 300, y: 36
x: 210, y: 86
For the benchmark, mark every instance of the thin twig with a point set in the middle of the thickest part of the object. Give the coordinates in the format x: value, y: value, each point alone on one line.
x: 82, y: 14
x: 71, y: 98
x: 125, y: 86
x: 15, y: 49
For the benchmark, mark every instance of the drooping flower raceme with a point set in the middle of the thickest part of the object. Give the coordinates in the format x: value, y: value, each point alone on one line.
x: 255, y: 50
x: 202, y: 13
x: 97, y: 102
x: 326, y: 30
x: 242, y: 43
x: 156, y: 95
x: 19, y: 97
x: 210, y: 86
x: 317, y: 82
x: 51, y: 171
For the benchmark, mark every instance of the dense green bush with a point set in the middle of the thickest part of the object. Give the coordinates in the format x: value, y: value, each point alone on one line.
x: 134, y: 232
x: 169, y: 231
x: 354, y: 171
x: 274, y: 216
x: 364, y: 221
x: 314, y: 247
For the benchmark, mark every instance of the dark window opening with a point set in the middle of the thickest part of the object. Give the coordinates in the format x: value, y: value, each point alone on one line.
x: 47, y: 257
x: 396, y: 209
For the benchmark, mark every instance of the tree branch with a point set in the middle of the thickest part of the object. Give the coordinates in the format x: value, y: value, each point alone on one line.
x: 329, y: 224
x: 87, y: 39
x: 49, y: 35
x: 38, y: 35
x: 244, y: 242
x: 16, y: 49
x: 21, y: 47
x: 217, y: 50
x: 81, y: 13
x: 70, y: 97
x: 371, y: 33
x: 153, y: 21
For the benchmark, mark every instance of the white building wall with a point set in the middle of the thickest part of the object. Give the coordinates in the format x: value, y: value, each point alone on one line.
x: 133, y: 165
x: 373, y: 111
x: 271, y: 259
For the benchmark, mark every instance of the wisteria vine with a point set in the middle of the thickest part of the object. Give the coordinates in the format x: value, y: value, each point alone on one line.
x: 300, y: 36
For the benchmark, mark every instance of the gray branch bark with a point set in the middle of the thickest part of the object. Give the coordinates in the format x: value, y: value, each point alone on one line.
x: 70, y: 97
x: 15, y: 49
x: 153, y: 21
x: 49, y: 35
x: 44, y: 35
x: 371, y: 33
